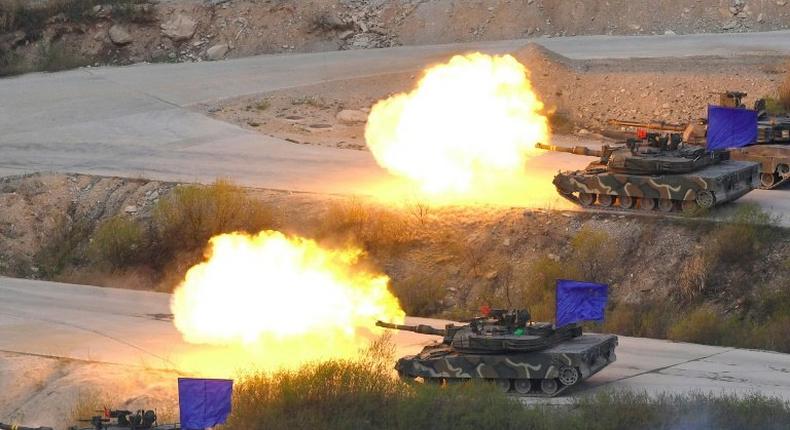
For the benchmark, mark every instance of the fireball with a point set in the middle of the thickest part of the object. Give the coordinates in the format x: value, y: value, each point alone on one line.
x: 465, y: 132
x: 286, y: 300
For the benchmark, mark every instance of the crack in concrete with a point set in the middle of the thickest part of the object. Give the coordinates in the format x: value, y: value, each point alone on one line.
x: 96, y: 332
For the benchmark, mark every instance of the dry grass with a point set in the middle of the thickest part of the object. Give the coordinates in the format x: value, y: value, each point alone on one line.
x: 362, y: 394
x: 421, y: 294
x: 119, y: 241
x: 192, y: 214
x: 376, y: 228
x: 88, y: 404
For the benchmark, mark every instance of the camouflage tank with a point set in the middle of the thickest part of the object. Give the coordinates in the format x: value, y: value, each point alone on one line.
x: 660, y: 172
x: 520, y: 356
x: 772, y: 149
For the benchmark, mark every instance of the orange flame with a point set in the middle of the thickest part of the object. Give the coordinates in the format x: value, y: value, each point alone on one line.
x: 284, y: 298
x: 465, y: 132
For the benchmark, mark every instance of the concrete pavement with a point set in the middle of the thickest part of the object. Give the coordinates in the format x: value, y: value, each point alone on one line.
x: 123, y: 326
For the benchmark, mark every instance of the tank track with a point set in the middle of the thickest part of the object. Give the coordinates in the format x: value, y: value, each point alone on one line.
x: 535, y: 391
x: 678, y: 207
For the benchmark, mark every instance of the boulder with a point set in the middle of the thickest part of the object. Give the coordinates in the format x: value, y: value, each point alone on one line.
x: 119, y: 35
x: 217, y: 52
x: 350, y: 116
x: 179, y: 27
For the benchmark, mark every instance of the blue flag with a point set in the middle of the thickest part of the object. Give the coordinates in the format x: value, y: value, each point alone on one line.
x: 730, y: 127
x: 203, y: 403
x: 580, y: 301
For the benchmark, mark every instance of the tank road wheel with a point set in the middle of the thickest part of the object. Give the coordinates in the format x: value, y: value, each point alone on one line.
x: 522, y: 386
x: 626, y: 202
x: 549, y: 386
x: 605, y: 200
x: 647, y: 204
x: 689, y: 206
x: 502, y: 384
x: 666, y: 205
x: 706, y: 199
x: 586, y: 199
x: 768, y: 180
x: 569, y: 376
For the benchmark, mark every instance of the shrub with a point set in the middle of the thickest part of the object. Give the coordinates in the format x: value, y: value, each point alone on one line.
x: 594, y: 254
x: 53, y: 57
x: 648, y: 319
x: 704, y: 325
x: 375, y: 228
x: 59, y: 251
x: 118, y: 241
x: 420, y: 295
x: 537, y: 293
x: 191, y: 215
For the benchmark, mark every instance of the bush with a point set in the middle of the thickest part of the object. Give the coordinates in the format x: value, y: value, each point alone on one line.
x: 537, y: 293
x: 118, y: 241
x: 649, y: 319
x: 54, y: 57
x: 704, y: 325
x: 189, y: 216
x: 420, y: 295
x: 594, y: 254
x: 60, y: 249
x: 375, y: 228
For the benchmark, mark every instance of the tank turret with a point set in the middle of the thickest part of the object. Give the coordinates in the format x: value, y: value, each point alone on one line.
x: 509, y: 349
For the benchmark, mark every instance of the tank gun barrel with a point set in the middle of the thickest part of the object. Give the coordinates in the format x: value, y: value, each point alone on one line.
x: 419, y: 328
x: 656, y: 125
x: 578, y: 150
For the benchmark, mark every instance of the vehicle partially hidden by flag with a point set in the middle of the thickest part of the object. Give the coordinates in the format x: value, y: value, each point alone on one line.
x: 580, y: 301
x: 204, y: 403
x: 520, y: 356
x: 730, y: 127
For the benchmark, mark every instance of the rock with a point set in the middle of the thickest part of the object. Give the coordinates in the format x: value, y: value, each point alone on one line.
x: 180, y: 27
x: 350, y: 116
x: 670, y: 33
x: 130, y: 209
x: 119, y: 35
x: 733, y: 10
x: 781, y: 3
x: 102, y: 11
x: 729, y: 25
x: 217, y: 52
x: 761, y: 17
x: 346, y: 34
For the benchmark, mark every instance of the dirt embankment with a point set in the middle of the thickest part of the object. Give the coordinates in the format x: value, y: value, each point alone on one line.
x: 456, y: 258
x: 59, y: 34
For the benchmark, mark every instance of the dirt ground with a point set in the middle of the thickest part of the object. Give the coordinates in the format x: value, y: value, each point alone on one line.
x: 238, y: 28
x: 585, y: 93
